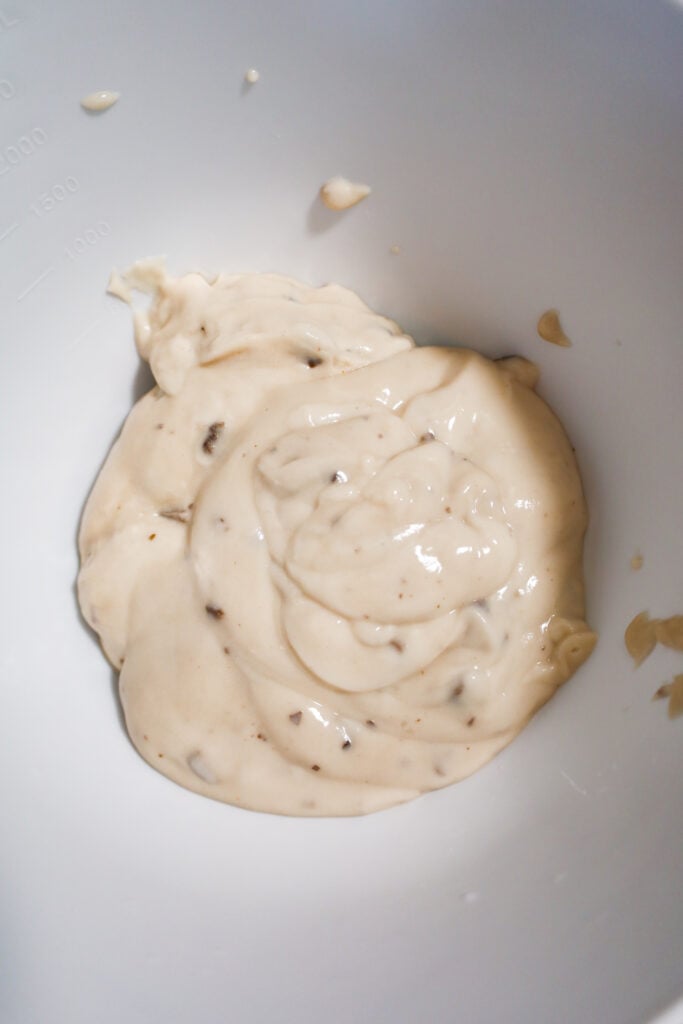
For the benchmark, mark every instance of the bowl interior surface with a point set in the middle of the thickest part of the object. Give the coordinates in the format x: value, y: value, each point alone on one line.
x: 523, y: 155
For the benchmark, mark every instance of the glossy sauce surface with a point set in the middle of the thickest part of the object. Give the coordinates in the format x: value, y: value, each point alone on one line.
x: 335, y: 570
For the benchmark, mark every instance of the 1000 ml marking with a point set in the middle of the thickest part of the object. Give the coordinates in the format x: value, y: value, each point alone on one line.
x: 24, y: 147
x: 90, y: 237
x: 54, y: 196
x: 7, y: 89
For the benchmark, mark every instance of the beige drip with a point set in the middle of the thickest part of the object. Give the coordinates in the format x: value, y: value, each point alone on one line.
x: 641, y: 637
x: 673, y: 692
x: 643, y: 633
x: 550, y: 329
x: 335, y: 570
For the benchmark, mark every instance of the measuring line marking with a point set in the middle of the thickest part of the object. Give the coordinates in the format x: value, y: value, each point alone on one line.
x: 8, y: 231
x: 34, y: 284
x: 79, y: 338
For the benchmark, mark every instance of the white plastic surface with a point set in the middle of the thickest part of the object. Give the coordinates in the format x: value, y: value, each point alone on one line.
x: 523, y: 154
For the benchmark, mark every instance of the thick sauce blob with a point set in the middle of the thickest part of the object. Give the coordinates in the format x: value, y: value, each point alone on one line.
x: 98, y: 101
x: 550, y: 329
x: 335, y: 570
x: 339, y: 193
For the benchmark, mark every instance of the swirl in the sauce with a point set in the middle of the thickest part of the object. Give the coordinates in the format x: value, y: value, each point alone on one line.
x: 336, y: 570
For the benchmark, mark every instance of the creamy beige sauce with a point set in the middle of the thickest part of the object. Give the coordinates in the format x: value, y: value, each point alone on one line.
x: 340, y: 193
x: 119, y: 287
x: 335, y: 570
x: 102, y: 100
x: 550, y: 329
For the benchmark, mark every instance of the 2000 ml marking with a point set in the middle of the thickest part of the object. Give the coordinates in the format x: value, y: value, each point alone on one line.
x: 90, y: 237
x: 54, y: 196
x: 7, y: 89
x: 25, y: 146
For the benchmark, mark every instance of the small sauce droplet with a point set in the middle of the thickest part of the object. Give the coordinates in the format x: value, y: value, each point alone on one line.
x: 340, y: 193
x: 99, y: 101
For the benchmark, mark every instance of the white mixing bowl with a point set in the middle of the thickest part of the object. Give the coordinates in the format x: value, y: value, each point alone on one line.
x: 523, y: 154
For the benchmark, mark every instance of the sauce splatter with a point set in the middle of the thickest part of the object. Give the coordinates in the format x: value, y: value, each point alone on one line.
x: 550, y: 329
x: 96, y: 102
x: 340, y: 193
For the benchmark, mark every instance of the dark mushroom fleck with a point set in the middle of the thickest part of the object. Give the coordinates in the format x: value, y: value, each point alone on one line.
x: 260, y: 736
x: 315, y: 767
x: 458, y: 690
x: 398, y: 645
x: 213, y: 434
x: 215, y: 613
x: 295, y: 718
x: 428, y: 436
x: 313, y: 361
x: 346, y: 744
x: 369, y: 722
x: 471, y: 721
